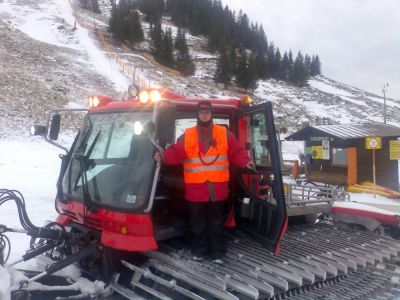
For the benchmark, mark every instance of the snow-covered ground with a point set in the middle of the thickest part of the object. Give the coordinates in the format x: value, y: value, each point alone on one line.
x: 48, y: 64
x: 29, y: 165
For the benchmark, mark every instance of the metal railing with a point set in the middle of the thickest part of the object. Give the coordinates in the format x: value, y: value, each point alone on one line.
x: 302, y: 195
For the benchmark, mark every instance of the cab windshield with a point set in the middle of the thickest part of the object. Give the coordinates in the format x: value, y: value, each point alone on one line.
x: 113, y: 161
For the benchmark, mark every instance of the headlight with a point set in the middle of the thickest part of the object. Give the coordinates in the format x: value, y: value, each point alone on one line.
x: 155, y: 96
x: 94, y: 102
x: 144, y: 97
x: 97, y: 101
x: 38, y: 130
x: 137, y: 128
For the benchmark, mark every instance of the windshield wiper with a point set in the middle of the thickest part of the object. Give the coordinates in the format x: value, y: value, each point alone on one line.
x: 78, y: 151
x: 82, y: 146
x: 84, y: 164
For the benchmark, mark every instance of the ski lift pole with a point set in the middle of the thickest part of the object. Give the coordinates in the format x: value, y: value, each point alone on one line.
x: 374, y: 171
x: 373, y: 143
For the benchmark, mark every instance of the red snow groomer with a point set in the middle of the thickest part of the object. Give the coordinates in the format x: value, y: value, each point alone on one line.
x: 123, y: 216
x: 110, y: 182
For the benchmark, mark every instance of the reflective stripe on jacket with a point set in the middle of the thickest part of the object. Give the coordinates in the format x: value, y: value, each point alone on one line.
x: 212, y: 166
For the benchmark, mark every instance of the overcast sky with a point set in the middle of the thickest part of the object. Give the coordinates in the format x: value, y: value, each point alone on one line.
x: 358, y: 41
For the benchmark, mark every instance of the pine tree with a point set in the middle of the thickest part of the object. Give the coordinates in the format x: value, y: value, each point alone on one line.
x: 272, y: 66
x: 317, y: 65
x: 291, y: 63
x: 225, y: 30
x: 213, y: 41
x: 232, y: 59
x: 246, y: 71
x: 135, y: 31
x: 167, y: 56
x: 180, y: 41
x: 184, y: 63
x: 243, y: 28
x: 153, y: 9
x: 263, y: 41
x: 179, y: 11
x: 120, y: 21
x: 113, y: 21
x: 117, y: 21
x: 224, y: 72
x: 241, y: 69
x: 315, y: 68
x: 262, y: 65
x: 156, y: 35
x: 307, y: 64
x: 299, y: 75
x: 252, y: 74
x: 285, y: 68
x: 277, y: 63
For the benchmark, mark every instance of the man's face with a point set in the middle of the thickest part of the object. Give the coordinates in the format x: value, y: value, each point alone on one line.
x: 204, y: 115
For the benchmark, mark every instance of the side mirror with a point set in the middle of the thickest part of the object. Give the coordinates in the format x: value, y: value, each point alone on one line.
x: 165, y: 125
x: 38, y: 130
x: 133, y: 90
x: 55, y: 127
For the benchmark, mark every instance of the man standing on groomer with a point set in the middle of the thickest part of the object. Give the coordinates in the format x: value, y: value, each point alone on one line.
x: 206, y: 151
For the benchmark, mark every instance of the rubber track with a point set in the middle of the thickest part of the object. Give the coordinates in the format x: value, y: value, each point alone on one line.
x: 316, y: 262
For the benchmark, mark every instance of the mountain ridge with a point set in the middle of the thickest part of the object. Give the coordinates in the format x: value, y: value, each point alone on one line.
x: 66, y: 75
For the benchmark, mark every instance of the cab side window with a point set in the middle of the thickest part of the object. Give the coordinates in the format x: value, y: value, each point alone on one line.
x: 257, y: 131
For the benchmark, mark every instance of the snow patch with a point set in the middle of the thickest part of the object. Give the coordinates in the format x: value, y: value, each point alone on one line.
x: 291, y: 150
x: 5, y: 282
x: 362, y: 206
x: 31, y: 166
x: 53, y: 23
x: 85, y: 286
x: 327, y: 88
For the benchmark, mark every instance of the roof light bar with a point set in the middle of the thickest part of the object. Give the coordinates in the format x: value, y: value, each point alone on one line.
x: 96, y: 101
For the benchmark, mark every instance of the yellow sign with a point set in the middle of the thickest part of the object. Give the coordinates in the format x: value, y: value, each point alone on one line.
x: 394, y: 150
x: 316, y: 152
x: 373, y: 143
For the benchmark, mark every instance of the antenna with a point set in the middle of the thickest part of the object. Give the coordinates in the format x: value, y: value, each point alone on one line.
x: 384, y: 90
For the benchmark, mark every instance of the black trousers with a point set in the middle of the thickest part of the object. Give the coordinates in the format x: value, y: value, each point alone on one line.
x: 207, y: 221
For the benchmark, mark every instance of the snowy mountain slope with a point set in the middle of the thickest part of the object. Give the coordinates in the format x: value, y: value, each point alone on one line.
x: 53, y: 65
x: 323, y: 100
x: 45, y: 63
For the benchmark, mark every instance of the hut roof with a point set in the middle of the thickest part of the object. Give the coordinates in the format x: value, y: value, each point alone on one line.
x: 347, y: 131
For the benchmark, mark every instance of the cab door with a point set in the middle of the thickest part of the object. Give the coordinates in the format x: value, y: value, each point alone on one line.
x: 261, y: 207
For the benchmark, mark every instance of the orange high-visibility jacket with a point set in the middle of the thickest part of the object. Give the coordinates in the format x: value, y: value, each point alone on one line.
x: 212, y: 166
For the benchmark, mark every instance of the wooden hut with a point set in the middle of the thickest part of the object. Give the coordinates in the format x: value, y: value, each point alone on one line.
x: 337, y: 154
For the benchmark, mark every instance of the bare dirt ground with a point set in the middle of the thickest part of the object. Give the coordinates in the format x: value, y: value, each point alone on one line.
x: 36, y: 77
